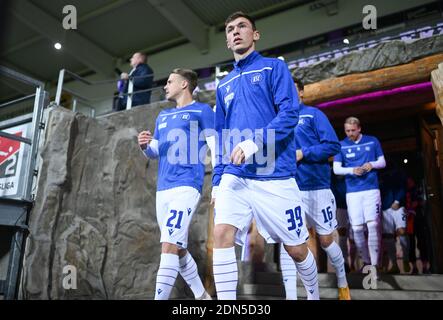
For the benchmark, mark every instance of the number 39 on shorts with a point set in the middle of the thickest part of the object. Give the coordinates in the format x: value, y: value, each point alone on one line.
x: 295, y: 218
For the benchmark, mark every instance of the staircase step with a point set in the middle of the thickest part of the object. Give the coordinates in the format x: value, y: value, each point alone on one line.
x: 355, y: 280
x: 277, y: 291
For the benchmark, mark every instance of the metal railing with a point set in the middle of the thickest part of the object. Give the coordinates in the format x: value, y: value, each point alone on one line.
x: 89, y: 102
x: 15, y: 212
x: 40, y: 100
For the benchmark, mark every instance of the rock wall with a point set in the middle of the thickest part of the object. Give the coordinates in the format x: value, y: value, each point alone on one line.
x: 383, y: 55
x: 95, y: 210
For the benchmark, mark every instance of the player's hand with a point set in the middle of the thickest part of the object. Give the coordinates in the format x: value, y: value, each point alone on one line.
x: 367, y: 167
x: 144, y: 138
x: 359, y: 171
x: 124, y: 76
x: 237, y: 156
x: 299, y: 154
x: 395, y: 206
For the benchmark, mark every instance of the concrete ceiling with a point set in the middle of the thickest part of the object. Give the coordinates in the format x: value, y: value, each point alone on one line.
x: 109, y: 31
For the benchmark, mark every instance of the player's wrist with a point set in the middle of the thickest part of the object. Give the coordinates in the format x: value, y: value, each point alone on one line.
x: 248, y: 147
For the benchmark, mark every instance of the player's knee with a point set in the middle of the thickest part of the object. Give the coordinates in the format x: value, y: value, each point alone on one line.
x: 169, y: 248
x: 298, y: 253
x: 401, y: 231
x: 325, y: 241
x: 224, y: 235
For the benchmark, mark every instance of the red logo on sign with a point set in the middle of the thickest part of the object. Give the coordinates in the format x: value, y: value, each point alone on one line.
x: 8, y: 147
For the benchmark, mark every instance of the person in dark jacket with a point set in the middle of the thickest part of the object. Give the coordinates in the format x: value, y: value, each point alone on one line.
x: 142, y: 77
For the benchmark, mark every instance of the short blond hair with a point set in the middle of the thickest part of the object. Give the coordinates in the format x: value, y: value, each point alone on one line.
x: 352, y: 120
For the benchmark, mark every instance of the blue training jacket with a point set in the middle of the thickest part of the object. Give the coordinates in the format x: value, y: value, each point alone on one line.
x: 317, y: 140
x: 258, y: 94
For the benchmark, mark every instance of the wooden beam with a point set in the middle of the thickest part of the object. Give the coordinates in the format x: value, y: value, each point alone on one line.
x: 437, y: 85
x: 387, y: 78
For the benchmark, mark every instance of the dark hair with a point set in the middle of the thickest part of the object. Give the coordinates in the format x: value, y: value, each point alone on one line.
x: 299, y: 84
x: 240, y: 14
x: 189, y: 75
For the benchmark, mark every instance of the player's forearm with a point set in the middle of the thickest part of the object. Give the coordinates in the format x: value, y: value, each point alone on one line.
x: 340, y: 170
x: 321, y: 152
x: 379, y: 164
x: 151, y: 150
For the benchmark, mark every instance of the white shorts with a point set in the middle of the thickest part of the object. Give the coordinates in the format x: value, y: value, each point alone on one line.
x: 275, y: 204
x: 175, y: 208
x: 320, y: 210
x: 363, y: 206
x: 394, y: 219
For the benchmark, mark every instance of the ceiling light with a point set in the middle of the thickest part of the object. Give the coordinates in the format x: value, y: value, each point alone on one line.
x: 58, y: 45
x: 405, y: 161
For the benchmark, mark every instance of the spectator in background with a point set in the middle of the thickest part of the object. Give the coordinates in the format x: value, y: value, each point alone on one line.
x: 393, y: 193
x: 416, y: 227
x: 142, y: 77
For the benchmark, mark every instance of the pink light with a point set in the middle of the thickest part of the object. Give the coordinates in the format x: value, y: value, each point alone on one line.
x: 415, y: 88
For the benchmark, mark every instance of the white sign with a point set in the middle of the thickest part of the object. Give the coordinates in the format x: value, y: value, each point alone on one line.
x: 11, y: 161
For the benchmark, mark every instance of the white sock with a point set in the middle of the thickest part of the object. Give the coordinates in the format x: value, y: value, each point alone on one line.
x: 336, y: 258
x: 343, y: 243
x: 166, y: 275
x: 360, y: 243
x: 289, y: 274
x: 374, y: 241
x: 225, y: 273
x: 188, y: 270
x: 404, y: 242
x: 307, y: 270
x: 389, y: 244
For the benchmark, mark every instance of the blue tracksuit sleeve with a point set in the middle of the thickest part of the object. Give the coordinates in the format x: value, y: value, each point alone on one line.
x: 286, y: 103
x: 219, y: 124
x: 329, y: 145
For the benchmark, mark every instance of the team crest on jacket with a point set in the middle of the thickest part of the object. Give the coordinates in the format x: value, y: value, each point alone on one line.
x: 186, y: 116
x: 256, y: 78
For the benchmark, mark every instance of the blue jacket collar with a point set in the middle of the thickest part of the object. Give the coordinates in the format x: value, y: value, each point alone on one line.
x: 249, y: 59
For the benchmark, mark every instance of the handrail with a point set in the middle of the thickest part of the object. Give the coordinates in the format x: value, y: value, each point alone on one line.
x: 15, y: 138
x: 64, y: 72
x: 20, y: 77
x: 17, y: 100
x: 88, y: 102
